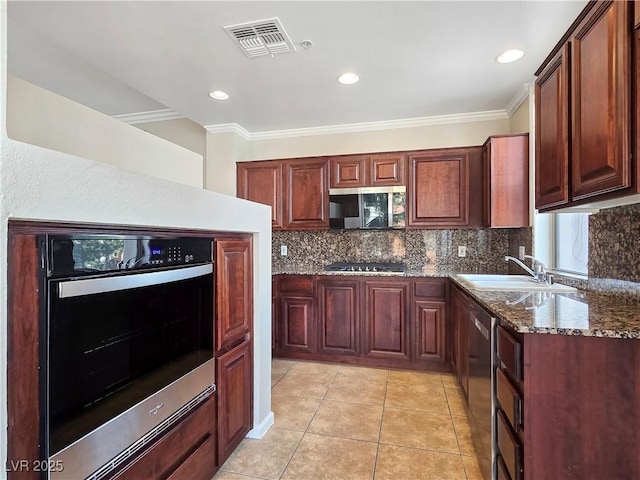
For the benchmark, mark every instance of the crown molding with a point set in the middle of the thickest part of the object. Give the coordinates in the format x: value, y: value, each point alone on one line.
x: 518, y: 99
x: 230, y: 128
x: 150, y: 116
x: 360, y: 127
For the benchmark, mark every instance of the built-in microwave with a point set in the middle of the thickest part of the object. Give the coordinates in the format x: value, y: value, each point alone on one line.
x: 367, y: 207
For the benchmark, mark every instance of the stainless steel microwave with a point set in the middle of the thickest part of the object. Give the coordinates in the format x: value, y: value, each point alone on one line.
x: 367, y: 207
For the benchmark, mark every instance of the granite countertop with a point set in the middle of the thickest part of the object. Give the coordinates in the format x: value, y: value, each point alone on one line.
x: 580, y: 313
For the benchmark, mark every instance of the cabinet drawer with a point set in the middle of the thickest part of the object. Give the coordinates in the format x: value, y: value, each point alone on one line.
x: 430, y: 288
x: 295, y: 284
x: 199, y: 464
x: 510, y: 353
x: 509, y: 400
x: 180, y: 443
x: 509, y: 447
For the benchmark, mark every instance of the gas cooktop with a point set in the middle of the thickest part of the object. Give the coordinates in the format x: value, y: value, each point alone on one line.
x: 388, y: 268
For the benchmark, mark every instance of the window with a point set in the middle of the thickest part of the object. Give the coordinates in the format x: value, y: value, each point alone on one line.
x: 570, y: 242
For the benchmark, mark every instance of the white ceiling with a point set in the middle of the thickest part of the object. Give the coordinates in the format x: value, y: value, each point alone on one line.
x: 416, y: 59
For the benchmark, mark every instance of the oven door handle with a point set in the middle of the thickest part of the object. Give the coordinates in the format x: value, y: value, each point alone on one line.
x: 91, y: 286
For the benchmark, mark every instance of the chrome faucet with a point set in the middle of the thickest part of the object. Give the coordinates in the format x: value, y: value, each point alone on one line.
x: 538, y: 270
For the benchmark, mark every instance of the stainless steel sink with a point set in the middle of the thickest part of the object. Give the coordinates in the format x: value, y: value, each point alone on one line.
x: 521, y: 283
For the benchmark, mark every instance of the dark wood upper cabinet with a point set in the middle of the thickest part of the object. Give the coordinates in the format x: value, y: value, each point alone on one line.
x: 348, y: 171
x: 339, y: 316
x: 374, y: 170
x: 386, y: 320
x: 262, y: 182
x: 440, y: 191
x: 636, y: 11
x: 387, y: 169
x: 234, y: 287
x: 306, y: 190
x: 552, y: 132
x: 506, y: 175
x: 601, y: 101
x: 585, y: 111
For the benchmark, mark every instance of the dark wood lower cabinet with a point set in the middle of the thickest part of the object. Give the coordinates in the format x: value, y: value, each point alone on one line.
x: 338, y: 316
x: 386, y: 321
x: 376, y: 321
x: 234, y: 373
x: 188, y: 450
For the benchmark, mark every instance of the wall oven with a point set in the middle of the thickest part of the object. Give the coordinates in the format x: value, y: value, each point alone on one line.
x: 129, y: 327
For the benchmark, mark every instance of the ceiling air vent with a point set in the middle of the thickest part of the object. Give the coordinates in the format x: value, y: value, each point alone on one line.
x: 263, y: 37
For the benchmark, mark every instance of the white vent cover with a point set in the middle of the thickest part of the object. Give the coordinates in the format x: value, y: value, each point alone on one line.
x: 263, y: 37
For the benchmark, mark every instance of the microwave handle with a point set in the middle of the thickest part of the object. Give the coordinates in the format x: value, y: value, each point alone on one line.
x: 91, y: 286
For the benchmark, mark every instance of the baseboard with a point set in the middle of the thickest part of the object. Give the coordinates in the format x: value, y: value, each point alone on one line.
x: 261, y: 429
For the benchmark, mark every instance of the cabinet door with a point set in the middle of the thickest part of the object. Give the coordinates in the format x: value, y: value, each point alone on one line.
x: 339, y: 316
x: 430, y: 331
x: 387, y: 169
x: 601, y: 101
x: 439, y: 188
x: 552, y: 133
x: 234, y: 291
x: 385, y: 320
x: 306, y: 194
x: 262, y: 182
x: 295, y: 329
x: 348, y: 171
x: 234, y: 384
x: 506, y: 163
x: 459, y: 316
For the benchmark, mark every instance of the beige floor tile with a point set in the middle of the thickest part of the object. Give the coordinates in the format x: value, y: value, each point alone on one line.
x: 426, y: 397
x: 278, y: 369
x: 357, y: 390
x: 331, y: 458
x: 395, y: 463
x: 410, y: 428
x: 222, y: 475
x: 264, y: 458
x: 293, y: 413
x: 348, y: 420
x: 449, y: 380
x: 363, y: 373
x: 324, y: 369
x: 303, y: 385
x: 463, y: 432
x: 474, y: 467
x: 414, y: 378
x: 456, y: 401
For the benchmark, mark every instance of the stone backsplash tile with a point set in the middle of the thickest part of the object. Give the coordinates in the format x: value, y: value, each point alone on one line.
x: 614, y: 251
x: 430, y: 251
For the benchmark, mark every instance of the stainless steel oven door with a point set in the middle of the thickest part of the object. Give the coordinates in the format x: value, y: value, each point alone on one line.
x: 126, y: 354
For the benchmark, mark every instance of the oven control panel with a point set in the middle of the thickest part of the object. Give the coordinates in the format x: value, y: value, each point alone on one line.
x: 94, y: 254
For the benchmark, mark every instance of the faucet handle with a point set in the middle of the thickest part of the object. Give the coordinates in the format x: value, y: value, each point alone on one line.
x: 536, y: 262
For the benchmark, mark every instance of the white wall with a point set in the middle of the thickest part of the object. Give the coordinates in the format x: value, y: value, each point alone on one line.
x: 41, y: 184
x: 40, y: 117
x: 182, y: 131
x: 519, y: 121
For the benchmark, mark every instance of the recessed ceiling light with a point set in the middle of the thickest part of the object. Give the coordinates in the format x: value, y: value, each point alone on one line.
x: 349, y: 78
x: 510, y: 56
x: 218, y: 95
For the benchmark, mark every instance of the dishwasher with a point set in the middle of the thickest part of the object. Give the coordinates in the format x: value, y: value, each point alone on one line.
x: 480, y: 390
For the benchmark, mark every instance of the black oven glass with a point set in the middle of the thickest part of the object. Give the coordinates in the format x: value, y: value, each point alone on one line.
x: 109, y: 351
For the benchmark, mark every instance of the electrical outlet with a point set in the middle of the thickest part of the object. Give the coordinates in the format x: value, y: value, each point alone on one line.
x: 521, y: 252
x: 283, y: 250
x: 462, y: 250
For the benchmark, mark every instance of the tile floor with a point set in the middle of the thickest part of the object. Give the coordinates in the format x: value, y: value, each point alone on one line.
x: 339, y: 422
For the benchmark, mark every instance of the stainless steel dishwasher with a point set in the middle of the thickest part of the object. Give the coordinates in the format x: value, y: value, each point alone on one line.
x: 480, y: 356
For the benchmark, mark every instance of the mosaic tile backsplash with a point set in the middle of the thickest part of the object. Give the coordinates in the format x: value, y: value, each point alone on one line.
x: 429, y: 251
x: 614, y: 249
